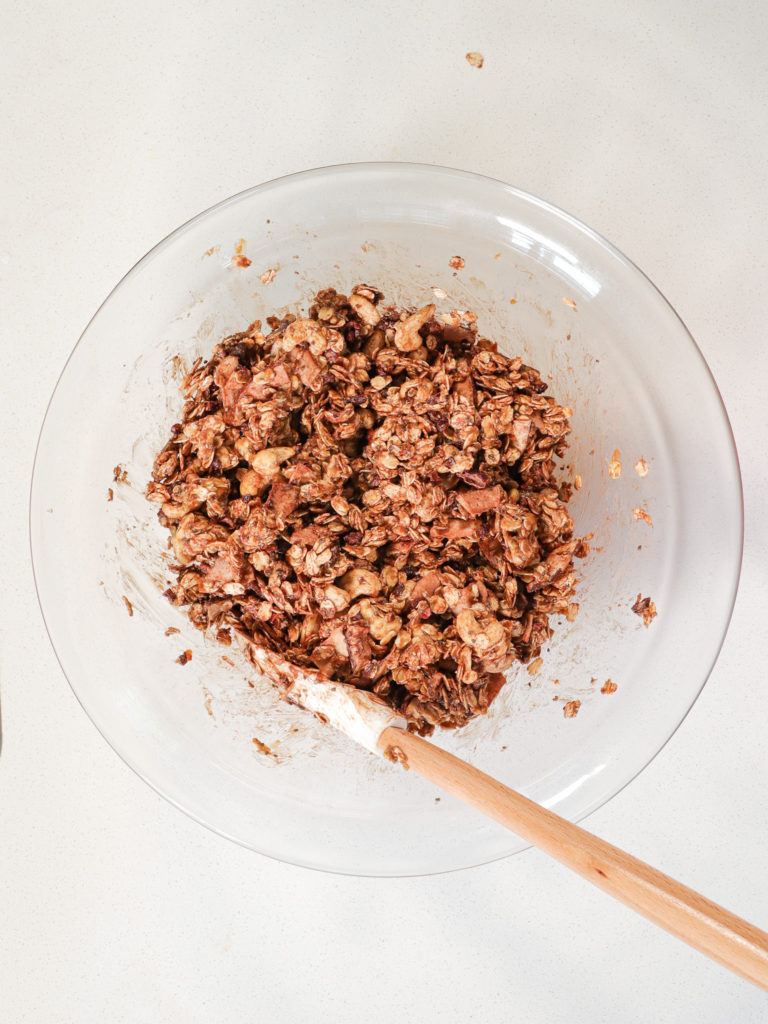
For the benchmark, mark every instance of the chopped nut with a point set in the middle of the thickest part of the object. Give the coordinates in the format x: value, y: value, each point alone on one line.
x: 571, y: 709
x: 571, y: 303
x: 475, y: 59
x: 407, y: 337
x: 184, y: 657
x: 365, y: 309
x: 641, y: 467
x: 268, y: 276
x: 645, y: 608
x: 456, y: 262
x: 642, y: 516
x: 240, y: 260
x: 577, y: 482
x: 608, y: 687
x: 171, y: 630
x: 614, y: 468
x: 535, y: 665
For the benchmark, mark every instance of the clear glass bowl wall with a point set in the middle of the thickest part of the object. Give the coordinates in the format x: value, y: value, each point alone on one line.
x: 615, y: 352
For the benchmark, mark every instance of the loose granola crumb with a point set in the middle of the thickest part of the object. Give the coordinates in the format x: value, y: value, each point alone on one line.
x: 184, y: 657
x: 475, y: 59
x: 439, y: 293
x: 110, y: 494
x: 171, y: 630
x: 614, y: 468
x: 224, y: 637
x: 128, y: 605
x: 577, y: 482
x: 641, y: 467
x: 397, y: 756
x: 642, y: 516
x: 120, y: 475
x: 571, y: 709
x: 241, y: 260
x: 645, y: 608
x: 456, y: 262
x: 268, y: 276
x: 608, y: 687
x: 371, y: 493
x: 534, y: 666
x: 571, y: 304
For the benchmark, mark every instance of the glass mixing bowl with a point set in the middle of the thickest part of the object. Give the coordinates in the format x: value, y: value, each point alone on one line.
x: 544, y: 286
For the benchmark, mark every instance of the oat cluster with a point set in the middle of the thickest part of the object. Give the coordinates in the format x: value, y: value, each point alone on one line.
x: 371, y: 493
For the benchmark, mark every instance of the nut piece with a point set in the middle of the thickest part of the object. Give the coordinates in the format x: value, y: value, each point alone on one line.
x: 475, y: 59
x: 365, y: 310
x: 641, y: 467
x: 456, y: 262
x: 571, y: 709
x: 608, y: 687
x: 614, y: 467
x: 407, y: 337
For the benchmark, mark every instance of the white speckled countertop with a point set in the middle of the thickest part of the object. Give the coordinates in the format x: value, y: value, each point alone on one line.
x: 121, y: 121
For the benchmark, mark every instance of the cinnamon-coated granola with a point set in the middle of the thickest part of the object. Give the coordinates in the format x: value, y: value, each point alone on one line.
x: 371, y: 493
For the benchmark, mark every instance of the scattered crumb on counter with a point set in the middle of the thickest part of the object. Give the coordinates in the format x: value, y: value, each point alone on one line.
x: 641, y: 467
x: 437, y: 799
x: 642, y: 516
x: 211, y: 251
x: 268, y: 276
x: 608, y: 687
x: 577, y: 482
x: 439, y: 293
x: 573, y: 611
x: 120, y: 475
x: 513, y: 302
x: 128, y: 605
x: 645, y: 608
x: 184, y: 657
x: 171, y: 630
x: 456, y: 262
x: 475, y: 59
x: 535, y: 665
x: 571, y: 304
x: 614, y: 467
x: 571, y: 709
x: 224, y: 637
x: 229, y: 661
x: 110, y: 494
x: 240, y: 260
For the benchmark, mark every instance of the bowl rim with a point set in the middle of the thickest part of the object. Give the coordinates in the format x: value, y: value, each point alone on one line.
x: 361, y: 167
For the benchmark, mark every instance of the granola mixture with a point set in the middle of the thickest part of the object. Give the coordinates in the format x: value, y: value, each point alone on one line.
x: 371, y: 493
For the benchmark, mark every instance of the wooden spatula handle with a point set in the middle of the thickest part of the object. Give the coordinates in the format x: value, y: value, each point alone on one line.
x: 691, y: 917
